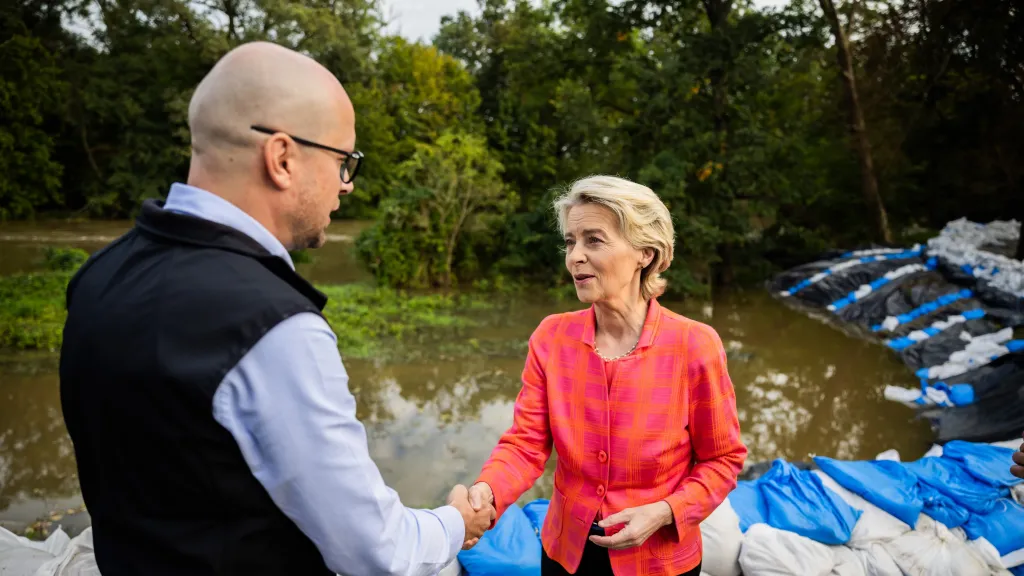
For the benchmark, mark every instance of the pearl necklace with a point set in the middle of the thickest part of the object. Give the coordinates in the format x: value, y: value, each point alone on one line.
x: 627, y: 353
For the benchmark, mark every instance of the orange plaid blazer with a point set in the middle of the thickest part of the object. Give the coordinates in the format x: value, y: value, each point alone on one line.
x: 666, y: 429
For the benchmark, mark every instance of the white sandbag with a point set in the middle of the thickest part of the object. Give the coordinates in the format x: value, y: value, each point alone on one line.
x: 57, y: 556
x: 890, y: 454
x: 78, y: 559
x: 21, y: 556
x: 986, y: 551
x: 935, y: 451
x: 933, y: 550
x: 874, y: 524
x: 1011, y: 444
x: 722, y: 541
x: 846, y: 563
x: 1017, y: 493
x: 768, y: 551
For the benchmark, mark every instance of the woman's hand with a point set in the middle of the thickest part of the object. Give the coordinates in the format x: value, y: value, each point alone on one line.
x: 640, y: 523
x: 480, y: 496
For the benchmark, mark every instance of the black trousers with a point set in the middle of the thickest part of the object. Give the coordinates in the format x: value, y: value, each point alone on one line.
x: 595, y: 562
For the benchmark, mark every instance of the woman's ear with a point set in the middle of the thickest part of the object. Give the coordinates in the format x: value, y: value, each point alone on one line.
x: 646, y: 257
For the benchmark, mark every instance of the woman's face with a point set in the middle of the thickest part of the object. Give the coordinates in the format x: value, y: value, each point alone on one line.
x: 603, y: 265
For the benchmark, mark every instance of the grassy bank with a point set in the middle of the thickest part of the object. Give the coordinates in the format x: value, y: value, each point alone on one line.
x: 367, y: 320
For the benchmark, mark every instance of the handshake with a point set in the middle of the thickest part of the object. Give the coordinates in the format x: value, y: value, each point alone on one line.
x: 476, y: 505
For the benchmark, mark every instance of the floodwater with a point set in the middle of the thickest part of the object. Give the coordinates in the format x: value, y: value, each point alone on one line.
x: 802, y: 387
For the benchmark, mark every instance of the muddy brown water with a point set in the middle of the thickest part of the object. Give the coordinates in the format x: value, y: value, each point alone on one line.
x: 802, y: 387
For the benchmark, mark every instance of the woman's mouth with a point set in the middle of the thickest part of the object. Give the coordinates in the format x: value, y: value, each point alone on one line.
x: 582, y: 278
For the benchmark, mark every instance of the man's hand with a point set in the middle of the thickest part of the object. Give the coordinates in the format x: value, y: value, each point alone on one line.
x: 1018, y: 460
x: 477, y: 520
x: 640, y: 522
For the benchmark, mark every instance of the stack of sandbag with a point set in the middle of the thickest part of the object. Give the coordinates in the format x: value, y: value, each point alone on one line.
x: 59, y: 555
x: 951, y: 513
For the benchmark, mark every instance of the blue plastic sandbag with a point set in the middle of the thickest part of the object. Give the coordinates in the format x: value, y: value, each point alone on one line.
x: 942, y: 508
x: 797, y: 501
x: 990, y: 464
x: 746, y: 500
x: 511, y: 548
x: 1017, y: 571
x: 536, y: 511
x: 884, y: 483
x: 948, y: 477
x: 1003, y: 527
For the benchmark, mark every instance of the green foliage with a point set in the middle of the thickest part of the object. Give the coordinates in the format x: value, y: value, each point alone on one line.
x: 737, y: 120
x: 452, y: 190
x: 64, y: 259
x: 368, y: 320
x: 32, y: 310
x: 30, y: 91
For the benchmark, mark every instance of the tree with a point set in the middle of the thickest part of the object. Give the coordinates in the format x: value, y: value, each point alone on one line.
x: 30, y: 92
x: 451, y: 188
x: 858, y: 129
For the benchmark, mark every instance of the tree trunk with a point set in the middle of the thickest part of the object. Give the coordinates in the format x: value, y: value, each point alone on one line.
x: 858, y: 129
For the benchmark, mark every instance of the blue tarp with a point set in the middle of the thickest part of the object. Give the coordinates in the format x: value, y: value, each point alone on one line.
x: 986, y: 463
x: 511, y: 548
x: 536, y: 511
x: 797, y: 501
x: 948, y: 477
x: 746, y: 500
x: 1003, y: 527
x: 883, y: 483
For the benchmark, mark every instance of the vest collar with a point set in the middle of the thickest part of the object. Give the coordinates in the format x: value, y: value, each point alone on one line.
x: 169, y: 226
x: 647, y: 333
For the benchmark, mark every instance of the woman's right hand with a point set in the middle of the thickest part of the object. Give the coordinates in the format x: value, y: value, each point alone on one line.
x: 480, y: 495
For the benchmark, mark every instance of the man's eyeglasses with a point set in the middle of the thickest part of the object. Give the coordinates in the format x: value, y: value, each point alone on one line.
x: 349, y: 168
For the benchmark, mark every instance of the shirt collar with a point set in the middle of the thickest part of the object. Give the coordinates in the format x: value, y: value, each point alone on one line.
x: 185, y: 199
x: 647, y: 333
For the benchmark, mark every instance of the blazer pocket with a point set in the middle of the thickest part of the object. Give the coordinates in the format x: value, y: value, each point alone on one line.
x: 552, y: 528
x: 664, y: 546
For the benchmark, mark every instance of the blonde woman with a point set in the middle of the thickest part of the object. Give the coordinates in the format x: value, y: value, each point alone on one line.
x: 636, y: 400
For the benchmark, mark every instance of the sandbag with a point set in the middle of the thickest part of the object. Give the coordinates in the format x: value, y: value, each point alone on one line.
x: 932, y: 550
x: 57, y: 556
x: 797, y: 501
x: 511, y: 548
x: 874, y: 525
x: 536, y: 511
x: 885, y: 484
x: 989, y: 464
x: 769, y: 551
x: 723, y: 540
x: 747, y: 503
x: 1003, y: 527
x: 998, y: 416
x: 947, y: 476
x: 872, y: 561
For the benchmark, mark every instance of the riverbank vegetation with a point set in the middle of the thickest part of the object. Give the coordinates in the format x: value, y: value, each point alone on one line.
x: 771, y: 133
x: 368, y: 320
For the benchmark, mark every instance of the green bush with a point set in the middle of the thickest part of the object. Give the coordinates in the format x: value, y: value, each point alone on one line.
x: 64, y: 259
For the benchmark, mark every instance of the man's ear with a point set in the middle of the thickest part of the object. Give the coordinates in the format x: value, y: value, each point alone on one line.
x: 279, y: 160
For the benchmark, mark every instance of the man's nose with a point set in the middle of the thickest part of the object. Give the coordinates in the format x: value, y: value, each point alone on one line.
x: 346, y: 188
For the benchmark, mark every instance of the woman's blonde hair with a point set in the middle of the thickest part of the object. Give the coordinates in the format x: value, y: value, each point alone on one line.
x: 643, y: 220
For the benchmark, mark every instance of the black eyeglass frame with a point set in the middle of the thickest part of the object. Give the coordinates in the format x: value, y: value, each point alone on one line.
x: 356, y: 155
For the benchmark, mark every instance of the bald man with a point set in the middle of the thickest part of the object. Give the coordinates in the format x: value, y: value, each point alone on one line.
x: 201, y: 386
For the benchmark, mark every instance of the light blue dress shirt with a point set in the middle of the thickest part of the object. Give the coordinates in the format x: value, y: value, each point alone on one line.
x: 288, y: 406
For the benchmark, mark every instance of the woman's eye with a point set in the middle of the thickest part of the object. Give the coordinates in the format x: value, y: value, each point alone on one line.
x: 594, y: 240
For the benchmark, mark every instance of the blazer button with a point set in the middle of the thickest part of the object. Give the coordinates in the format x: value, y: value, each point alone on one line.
x: 600, y: 490
x: 602, y: 456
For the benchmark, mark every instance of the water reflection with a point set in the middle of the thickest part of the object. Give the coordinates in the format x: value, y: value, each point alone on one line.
x: 802, y: 388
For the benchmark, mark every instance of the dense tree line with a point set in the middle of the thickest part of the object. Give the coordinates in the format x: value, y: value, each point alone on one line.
x: 770, y: 133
